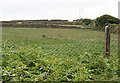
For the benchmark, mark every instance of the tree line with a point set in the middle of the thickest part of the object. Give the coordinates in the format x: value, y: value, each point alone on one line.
x: 98, y: 24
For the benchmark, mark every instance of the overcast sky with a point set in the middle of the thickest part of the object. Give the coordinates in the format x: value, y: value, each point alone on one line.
x: 56, y: 9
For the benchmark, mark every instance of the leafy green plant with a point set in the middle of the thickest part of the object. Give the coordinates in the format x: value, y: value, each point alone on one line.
x: 73, y: 57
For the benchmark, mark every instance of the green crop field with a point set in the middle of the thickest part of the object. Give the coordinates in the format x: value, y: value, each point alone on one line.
x: 47, y: 54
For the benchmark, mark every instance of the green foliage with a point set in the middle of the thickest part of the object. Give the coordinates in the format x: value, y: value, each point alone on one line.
x: 27, y: 56
x: 102, y: 20
x: 28, y: 63
x: 114, y: 28
x: 86, y: 21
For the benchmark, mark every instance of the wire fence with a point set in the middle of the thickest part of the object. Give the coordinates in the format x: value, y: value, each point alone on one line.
x: 68, y: 48
x: 67, y: 41
x: 92, y: 45
x: 114, y: 46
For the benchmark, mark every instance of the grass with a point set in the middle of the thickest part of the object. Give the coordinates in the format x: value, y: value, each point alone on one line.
x: 37, y: 34
x: 59, y: 39
x: 41, y: 54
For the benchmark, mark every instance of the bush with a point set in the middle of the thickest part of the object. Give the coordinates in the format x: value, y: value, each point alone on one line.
x: 87, y: 21
x: 101, y: 21
x: 114, y: 28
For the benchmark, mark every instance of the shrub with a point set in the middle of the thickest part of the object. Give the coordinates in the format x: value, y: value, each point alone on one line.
x: 101, y: 21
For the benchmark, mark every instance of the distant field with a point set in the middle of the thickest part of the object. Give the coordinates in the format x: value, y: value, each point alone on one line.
x: 63, y: 54
x: 81, y: 39
x: 19, y: 35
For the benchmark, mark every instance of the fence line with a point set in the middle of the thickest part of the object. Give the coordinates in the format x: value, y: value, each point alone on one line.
x: 107, y: 46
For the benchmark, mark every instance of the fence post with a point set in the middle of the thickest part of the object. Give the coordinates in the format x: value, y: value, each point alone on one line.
x: 107, y: 42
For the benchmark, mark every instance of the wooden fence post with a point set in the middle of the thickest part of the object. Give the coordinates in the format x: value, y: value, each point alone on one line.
x: 107, y: 42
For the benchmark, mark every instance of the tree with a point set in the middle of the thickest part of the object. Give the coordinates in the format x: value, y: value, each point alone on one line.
x: 86, y: 21
x: 102, y: 20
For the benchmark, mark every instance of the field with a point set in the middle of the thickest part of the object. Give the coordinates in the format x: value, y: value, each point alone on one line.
x: 45, y: 54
